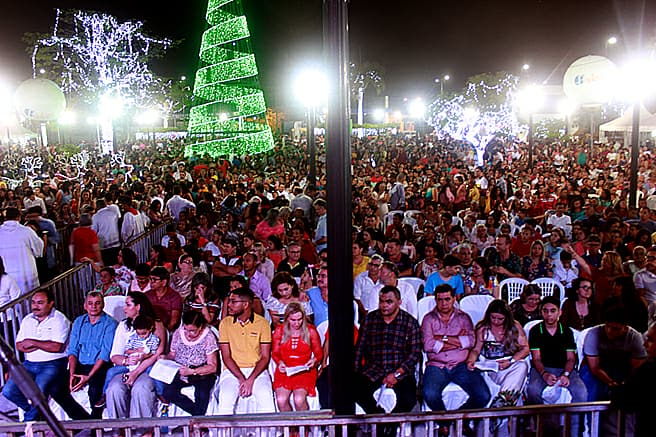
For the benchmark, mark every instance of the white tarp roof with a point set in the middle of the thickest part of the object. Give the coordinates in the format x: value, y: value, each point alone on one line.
x: 625, y: 122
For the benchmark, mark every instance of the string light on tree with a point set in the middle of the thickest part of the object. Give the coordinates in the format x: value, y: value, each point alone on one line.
x: 229, y: 117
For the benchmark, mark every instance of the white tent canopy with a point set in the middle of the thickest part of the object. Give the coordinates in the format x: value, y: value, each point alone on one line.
x: 625, y: 122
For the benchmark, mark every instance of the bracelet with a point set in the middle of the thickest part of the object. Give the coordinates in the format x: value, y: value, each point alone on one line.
x: 543, y: 372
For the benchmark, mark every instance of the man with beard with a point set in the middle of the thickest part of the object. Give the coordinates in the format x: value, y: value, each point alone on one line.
x: 245, y: 344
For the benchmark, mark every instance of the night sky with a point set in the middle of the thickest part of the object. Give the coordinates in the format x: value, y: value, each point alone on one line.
x: 414, y: 41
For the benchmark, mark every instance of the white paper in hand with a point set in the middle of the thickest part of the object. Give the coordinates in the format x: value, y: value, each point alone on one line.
x: 164, y: 370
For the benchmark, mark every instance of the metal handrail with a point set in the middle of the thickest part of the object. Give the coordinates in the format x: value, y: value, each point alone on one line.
x: 336, y: 425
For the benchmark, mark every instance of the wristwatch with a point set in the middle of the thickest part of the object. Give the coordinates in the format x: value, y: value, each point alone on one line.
x: 397, y: 375
x: 566, y: 374
x: 445, y: 338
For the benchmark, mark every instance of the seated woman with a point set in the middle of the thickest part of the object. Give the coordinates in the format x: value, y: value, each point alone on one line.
x: 500, y: 338
x: 527, y: 307
x: 108, y: 285
x: 181, y: 279
x: 135, y: 396
x: 284, y: 290
x: 203, y: 299
x: 478, y: 282
x: 580, y: 311
x: 295, y: 343
x: 195, y: 347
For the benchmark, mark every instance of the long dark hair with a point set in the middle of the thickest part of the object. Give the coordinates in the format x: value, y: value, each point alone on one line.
x: 2, y: 268
x: 145, y: 307
x: 511, y: 332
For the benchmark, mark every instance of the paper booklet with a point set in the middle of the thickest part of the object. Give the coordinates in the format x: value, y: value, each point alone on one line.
x: 164, y: 370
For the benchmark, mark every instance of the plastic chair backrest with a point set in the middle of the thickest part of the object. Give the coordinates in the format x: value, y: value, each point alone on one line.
x: 424, y: 306
x: 475, y: 306
x: 548, y: 287
x: 513, y: 287
x: 415, y: 283
x: 115, y: 307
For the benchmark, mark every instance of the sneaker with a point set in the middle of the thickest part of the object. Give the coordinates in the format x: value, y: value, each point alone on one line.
x: 164, y: 412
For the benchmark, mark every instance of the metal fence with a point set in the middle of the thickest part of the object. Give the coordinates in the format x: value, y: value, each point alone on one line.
x: 142, y: 244
x: 523, y: 421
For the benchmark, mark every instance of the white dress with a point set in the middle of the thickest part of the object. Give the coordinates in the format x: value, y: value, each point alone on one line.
x: 18, y: 247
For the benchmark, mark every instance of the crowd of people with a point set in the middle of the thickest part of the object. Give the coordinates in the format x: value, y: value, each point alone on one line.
x: 240, y: 279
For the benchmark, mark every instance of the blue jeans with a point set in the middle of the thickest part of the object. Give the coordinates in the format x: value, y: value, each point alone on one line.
x: 471, y: 381
x: 52, y: 379
x: 111, y: 373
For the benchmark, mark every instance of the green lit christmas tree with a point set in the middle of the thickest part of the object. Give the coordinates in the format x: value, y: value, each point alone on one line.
x: 229, y: 114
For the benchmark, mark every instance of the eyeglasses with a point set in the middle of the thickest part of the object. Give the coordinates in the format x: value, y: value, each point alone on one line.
x: 187, y: 262
x: 585, y: 287
x: 155, y: 278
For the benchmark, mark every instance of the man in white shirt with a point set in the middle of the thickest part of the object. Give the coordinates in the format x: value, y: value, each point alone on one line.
x: 19, y: 245
x: 133, y: 225
x: 389, y: 275
x: 367, y: 284
x: 560, y: 220
x: 31, y: 200
x: 105, y: 223
x: 42, y: 338
x: 176, y: 204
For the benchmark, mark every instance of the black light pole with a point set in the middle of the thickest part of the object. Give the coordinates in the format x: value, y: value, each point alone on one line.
x: 635, y: 154
x: 311, y: 144
x: 530, y: 139
x: 338, y: 172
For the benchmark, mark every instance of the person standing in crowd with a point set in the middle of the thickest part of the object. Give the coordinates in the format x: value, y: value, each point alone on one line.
x: 8, y: 287
x: 133, y: 224
x: 19, y: 246
x: 84, y: 243
x: 386, y: 354
x: 47, y: 227
x: 245, y: 345
x: 176, y: 204
x: 105, y: 223
x: 321, y: 229
x: 42, y: 338
x: 397, y: 194
x: 89, y: 345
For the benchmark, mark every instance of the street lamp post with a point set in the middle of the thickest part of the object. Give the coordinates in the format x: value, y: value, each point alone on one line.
x: 441, y: 81
x: 311, y: 90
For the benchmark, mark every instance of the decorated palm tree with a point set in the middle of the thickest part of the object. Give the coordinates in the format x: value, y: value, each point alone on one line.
x: 361, y: 78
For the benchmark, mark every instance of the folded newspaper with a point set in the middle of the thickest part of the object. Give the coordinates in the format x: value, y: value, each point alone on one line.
x: 164, y: 370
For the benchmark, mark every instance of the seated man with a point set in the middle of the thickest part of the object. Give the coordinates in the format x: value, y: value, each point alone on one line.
x: 245, y: 344
x: 42, y: 338
x: 553, y: 357
x: 448, y: 335
x: 91, y: 341
x: 389, y: 359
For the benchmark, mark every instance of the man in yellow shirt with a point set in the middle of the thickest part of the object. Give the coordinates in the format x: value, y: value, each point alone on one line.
x: 245, y: 344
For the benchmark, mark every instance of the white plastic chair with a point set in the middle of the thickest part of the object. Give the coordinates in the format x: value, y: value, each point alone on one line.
x: 580, y: 341
x: 513, y: 286
x: 115, y: 307
x: 548, y: 286
x: 416, y: 283
x: 475, y: 305
x: 322, y: 328
x: 528, y: 326
x: 424, y: 306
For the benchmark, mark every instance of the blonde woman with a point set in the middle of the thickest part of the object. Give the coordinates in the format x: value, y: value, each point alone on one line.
x: 537, y: 264
x: 295, y: 343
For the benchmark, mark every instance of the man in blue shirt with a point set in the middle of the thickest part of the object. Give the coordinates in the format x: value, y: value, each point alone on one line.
x: 89, y: 346
x: 319, y: 297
